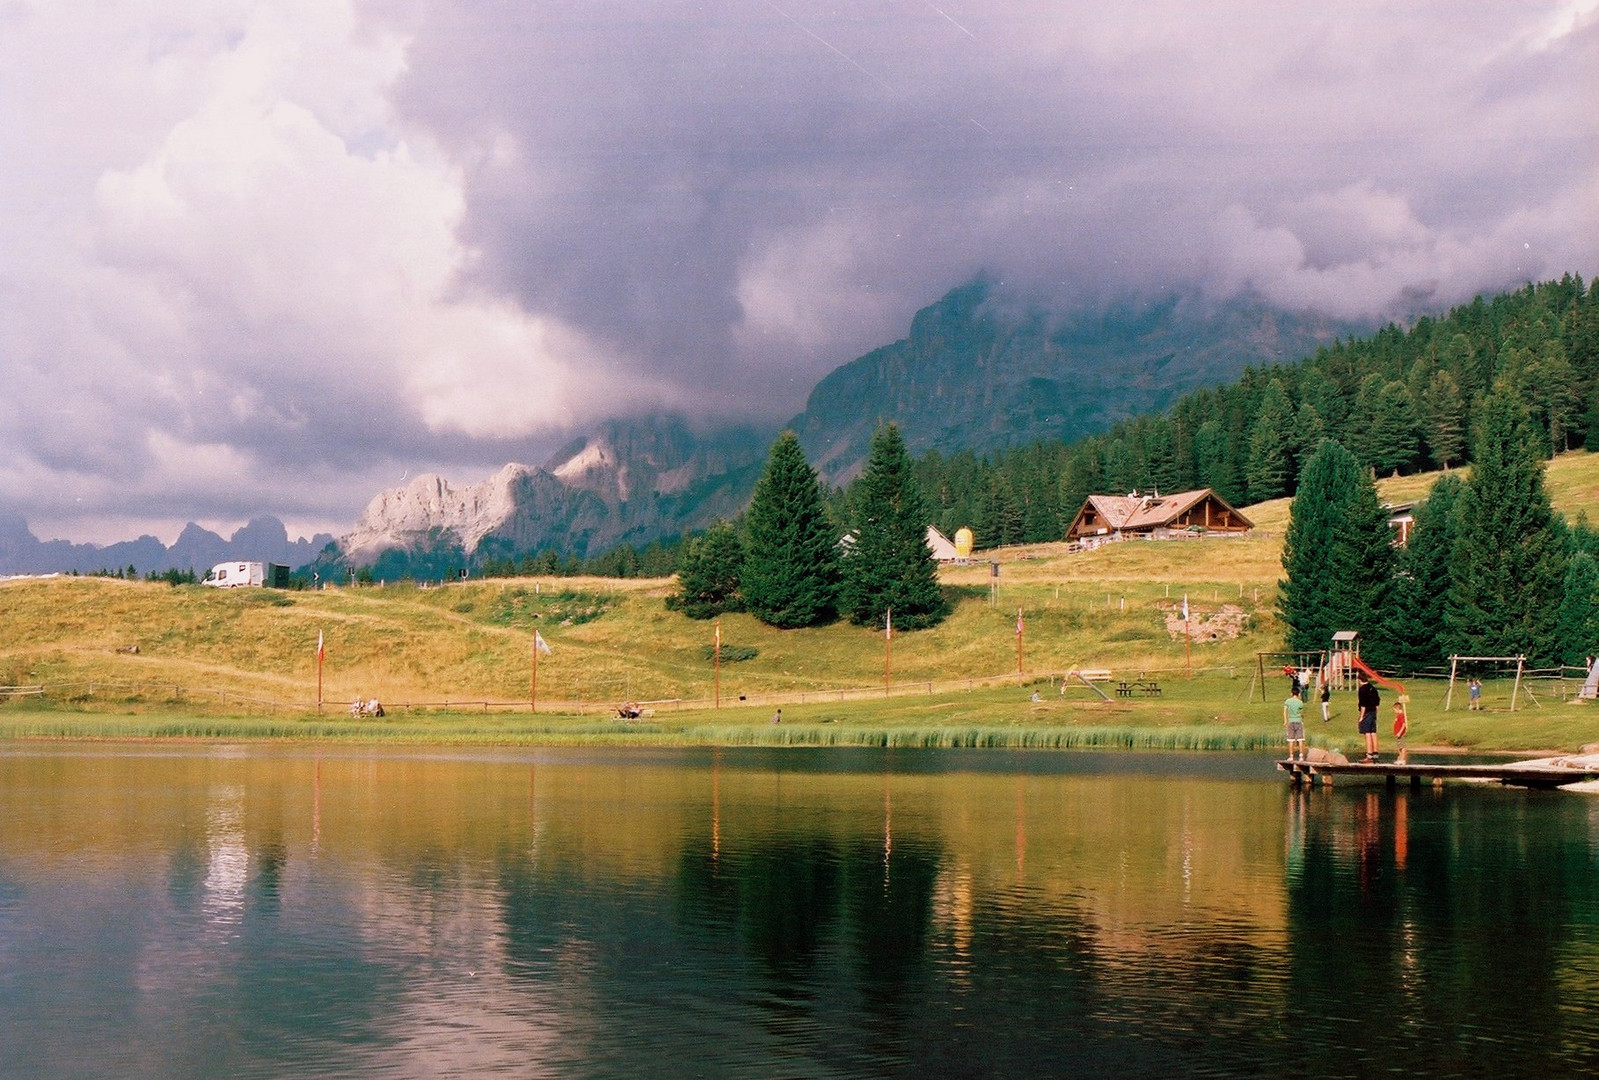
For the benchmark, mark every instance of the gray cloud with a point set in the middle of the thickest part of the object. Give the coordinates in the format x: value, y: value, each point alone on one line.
x: 270, y: 257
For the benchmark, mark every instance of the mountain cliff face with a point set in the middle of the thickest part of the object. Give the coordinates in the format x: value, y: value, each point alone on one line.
x: 631, y: 482
x: 974, y: 374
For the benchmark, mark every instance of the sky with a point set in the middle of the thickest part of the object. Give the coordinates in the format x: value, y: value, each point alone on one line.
x: 271, y: 258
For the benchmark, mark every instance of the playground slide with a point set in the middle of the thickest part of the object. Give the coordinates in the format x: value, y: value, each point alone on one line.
x: 1398, y: 686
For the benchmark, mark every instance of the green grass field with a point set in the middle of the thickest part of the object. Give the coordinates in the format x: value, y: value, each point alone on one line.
x: 453, y: 663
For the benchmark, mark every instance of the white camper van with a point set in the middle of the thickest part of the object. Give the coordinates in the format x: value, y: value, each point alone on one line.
x: 231, y: 575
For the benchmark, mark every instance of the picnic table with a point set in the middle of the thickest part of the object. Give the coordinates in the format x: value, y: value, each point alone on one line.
x: 1147, y: 687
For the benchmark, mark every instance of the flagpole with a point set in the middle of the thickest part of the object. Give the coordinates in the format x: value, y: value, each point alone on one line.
x: 717, y: 691
x: 888, y: 648
x: 319, y: 671
x: 1018, y: 641
x: 1188, y: 641
x: 533, y: 689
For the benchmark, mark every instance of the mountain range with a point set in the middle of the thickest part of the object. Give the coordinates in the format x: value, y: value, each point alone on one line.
x: 264, y: 539
x: 975, y: 372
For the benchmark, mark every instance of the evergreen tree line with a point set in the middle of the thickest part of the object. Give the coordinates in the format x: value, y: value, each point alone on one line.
x: 1490, y: 569
x: 802, y: 556
x: 1399, y: 402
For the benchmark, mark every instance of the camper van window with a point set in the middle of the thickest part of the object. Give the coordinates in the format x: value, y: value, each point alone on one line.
x: 222, y: 575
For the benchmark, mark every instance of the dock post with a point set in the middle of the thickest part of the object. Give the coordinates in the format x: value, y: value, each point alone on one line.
x: 1393, y: 781
x: 1415, y: 781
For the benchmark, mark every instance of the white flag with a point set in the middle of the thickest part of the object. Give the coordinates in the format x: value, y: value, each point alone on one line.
x: 540, y: 644
x: 319, y: 645
x: 1185, y: 607
x: 888, y: 624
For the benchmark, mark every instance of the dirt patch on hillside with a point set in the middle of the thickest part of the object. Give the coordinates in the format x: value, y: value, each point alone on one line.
x: 1223, y: 625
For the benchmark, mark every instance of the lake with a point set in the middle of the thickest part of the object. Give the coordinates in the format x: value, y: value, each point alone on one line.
x: 194, y: 910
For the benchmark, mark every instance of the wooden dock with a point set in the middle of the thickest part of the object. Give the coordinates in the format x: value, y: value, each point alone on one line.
x: 1542, y: 773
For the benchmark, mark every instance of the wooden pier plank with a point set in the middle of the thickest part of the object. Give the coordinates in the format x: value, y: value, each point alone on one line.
x: 1548, y: 773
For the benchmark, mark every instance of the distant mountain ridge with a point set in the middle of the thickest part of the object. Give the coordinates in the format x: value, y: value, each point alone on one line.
x: 976, y: 375
x: 629, y: 482
x: 263, y: 539
x: 975, y: 372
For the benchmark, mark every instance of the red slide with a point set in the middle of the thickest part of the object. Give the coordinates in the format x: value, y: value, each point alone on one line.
x: 1396, y: 684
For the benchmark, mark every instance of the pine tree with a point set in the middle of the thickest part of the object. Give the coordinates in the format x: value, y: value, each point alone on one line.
x: 1577, y: 628
x: 1337, y: 555
x: 1445, y: 412
x: 1510, y: 561
x: 1002, y: 518
x: 1421, y: 588
x: 708, y: 576
x: 790, y: 574
x: 1270, y: 440
x: 1391, y: 443
x: 1308, y: 431
x: 890, y: 565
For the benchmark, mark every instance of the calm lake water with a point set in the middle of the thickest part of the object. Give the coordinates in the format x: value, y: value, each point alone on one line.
x: 269, y: 911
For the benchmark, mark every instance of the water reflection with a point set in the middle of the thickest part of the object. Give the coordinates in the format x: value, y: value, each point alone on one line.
x: 275, y: 911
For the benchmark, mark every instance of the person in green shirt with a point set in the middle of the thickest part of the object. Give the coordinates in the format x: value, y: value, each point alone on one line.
x: 1294, y: 726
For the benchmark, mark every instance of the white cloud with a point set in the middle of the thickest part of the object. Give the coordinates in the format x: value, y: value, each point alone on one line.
x: 319, y: 243
x: 249, y: 251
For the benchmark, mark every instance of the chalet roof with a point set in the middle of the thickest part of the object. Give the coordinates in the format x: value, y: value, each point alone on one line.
x: 1153, y: 511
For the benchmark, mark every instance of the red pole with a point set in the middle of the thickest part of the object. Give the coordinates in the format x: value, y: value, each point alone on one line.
x: 1018, y: 641
x: 717, y: 691
x: 533, y: 690
x: 319, y: 671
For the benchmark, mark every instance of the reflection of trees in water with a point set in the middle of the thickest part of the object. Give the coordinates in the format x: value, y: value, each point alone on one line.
x: 1444, y: 925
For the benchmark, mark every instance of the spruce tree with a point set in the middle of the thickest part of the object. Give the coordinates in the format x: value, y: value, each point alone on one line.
x: 790, y: 574
x: 1308, y: 431
x: 1391, y: 442
x: 890, y: 565
x: 1270, y: 445
x: 1337, y: 555
x: 1001, y: 523
x: 1510, y: 560
x: 708, y: 575
x: 1445, y: 412
x: 1577, y: 628
x: 1421, y: 588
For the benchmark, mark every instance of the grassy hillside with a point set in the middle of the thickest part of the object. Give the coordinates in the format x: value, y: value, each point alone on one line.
x: 207, y: 653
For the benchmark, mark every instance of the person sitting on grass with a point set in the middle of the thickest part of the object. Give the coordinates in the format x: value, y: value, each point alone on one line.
x: 1294, y: 726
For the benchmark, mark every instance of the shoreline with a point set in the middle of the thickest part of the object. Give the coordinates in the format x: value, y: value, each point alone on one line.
x: 555, y: 731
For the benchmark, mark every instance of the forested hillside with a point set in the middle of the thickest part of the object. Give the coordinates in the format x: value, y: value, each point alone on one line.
x: 1400, y: 401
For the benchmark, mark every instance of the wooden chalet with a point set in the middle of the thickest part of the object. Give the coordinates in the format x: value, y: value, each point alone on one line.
x: 1116, y: 517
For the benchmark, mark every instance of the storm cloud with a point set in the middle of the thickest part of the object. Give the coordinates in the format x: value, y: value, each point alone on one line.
x: 271, y: 257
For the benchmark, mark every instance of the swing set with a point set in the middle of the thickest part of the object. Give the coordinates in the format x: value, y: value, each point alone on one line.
x: 1504, y: 663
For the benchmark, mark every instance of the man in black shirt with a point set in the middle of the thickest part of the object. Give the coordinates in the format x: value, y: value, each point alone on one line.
x: 1367, y: 698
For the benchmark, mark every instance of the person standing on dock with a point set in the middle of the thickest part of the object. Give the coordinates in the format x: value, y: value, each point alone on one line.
x: 1294, y: 726
x: 1367, y: 698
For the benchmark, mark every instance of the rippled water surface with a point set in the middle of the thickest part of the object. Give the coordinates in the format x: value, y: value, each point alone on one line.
x: 268, y: 911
